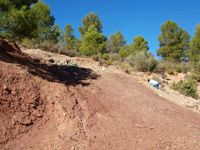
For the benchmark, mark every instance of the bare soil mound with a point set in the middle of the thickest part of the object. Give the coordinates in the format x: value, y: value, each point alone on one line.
x: 10, y: 52
x: 22, y: 101
x: 45, y: 106
x: 20, y: 104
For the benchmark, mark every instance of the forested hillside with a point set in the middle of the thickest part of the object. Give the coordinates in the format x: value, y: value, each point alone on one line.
x: 31, y: 24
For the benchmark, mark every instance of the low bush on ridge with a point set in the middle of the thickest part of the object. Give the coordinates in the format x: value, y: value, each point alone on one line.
x: 143, y: 61
x: 178, y: 68
x: 170, y: 71
x: 196, y: 76
x: 186, y: 87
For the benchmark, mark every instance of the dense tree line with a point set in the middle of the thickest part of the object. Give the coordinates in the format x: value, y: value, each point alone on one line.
x: 32, y: 19
x: 20, y: 19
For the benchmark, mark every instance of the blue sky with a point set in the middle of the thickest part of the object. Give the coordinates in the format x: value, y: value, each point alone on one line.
x: 131, y: 17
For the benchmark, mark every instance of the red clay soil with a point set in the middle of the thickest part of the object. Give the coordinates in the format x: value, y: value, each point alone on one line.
x: 49, y: 107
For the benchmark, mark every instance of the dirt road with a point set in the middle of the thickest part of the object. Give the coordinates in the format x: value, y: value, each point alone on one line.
x: 86, y: 110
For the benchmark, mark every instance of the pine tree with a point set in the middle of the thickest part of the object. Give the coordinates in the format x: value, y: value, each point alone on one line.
x: 139, y: 44
x: 115, y: 42
x: 123, y: 53
x: 194, y: 51
x: 5, y: 5
x: 92, y: 42
x: 173, y: 42
x: 91, y: 19
x: 69, y: 38
x: 54, y: 34
x: 20, y: 19
x: 43, y: 20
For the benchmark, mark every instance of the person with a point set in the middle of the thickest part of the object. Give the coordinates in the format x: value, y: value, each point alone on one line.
x: 154, y: 83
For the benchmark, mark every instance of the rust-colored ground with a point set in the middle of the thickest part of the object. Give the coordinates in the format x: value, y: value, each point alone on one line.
x: 49, y: 107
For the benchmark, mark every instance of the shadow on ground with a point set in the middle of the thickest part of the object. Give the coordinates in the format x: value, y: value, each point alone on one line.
x: 71, y: 75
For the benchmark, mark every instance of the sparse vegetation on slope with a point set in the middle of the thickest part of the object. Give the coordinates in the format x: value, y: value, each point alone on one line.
x: 186, y: 87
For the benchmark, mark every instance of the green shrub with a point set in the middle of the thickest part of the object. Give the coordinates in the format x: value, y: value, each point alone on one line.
x: 186, y: 67
x: 71, y: 53
x: 186, y: 87
x: 196, y: 76
x: 198, y: 67
x: 130, y: 60
x: 116, y: 63
x: 160, y: 68
x: 57, y: 48
x: 170, y: 71
x: 113, y: 57
x: 144, y: 61
x: 108, y: 62
x: 50, y: 46
x: 32, y: 44
x: 123, y: 66
x: 178, y: 68
x: 105, y: 56
x: 46, y: 45
x: 169, y: 64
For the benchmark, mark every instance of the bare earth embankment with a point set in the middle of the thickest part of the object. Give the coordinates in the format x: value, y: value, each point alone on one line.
x: 53, y: 107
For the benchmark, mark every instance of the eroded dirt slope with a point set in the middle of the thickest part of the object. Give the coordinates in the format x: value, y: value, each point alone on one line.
x: 51, y: 107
